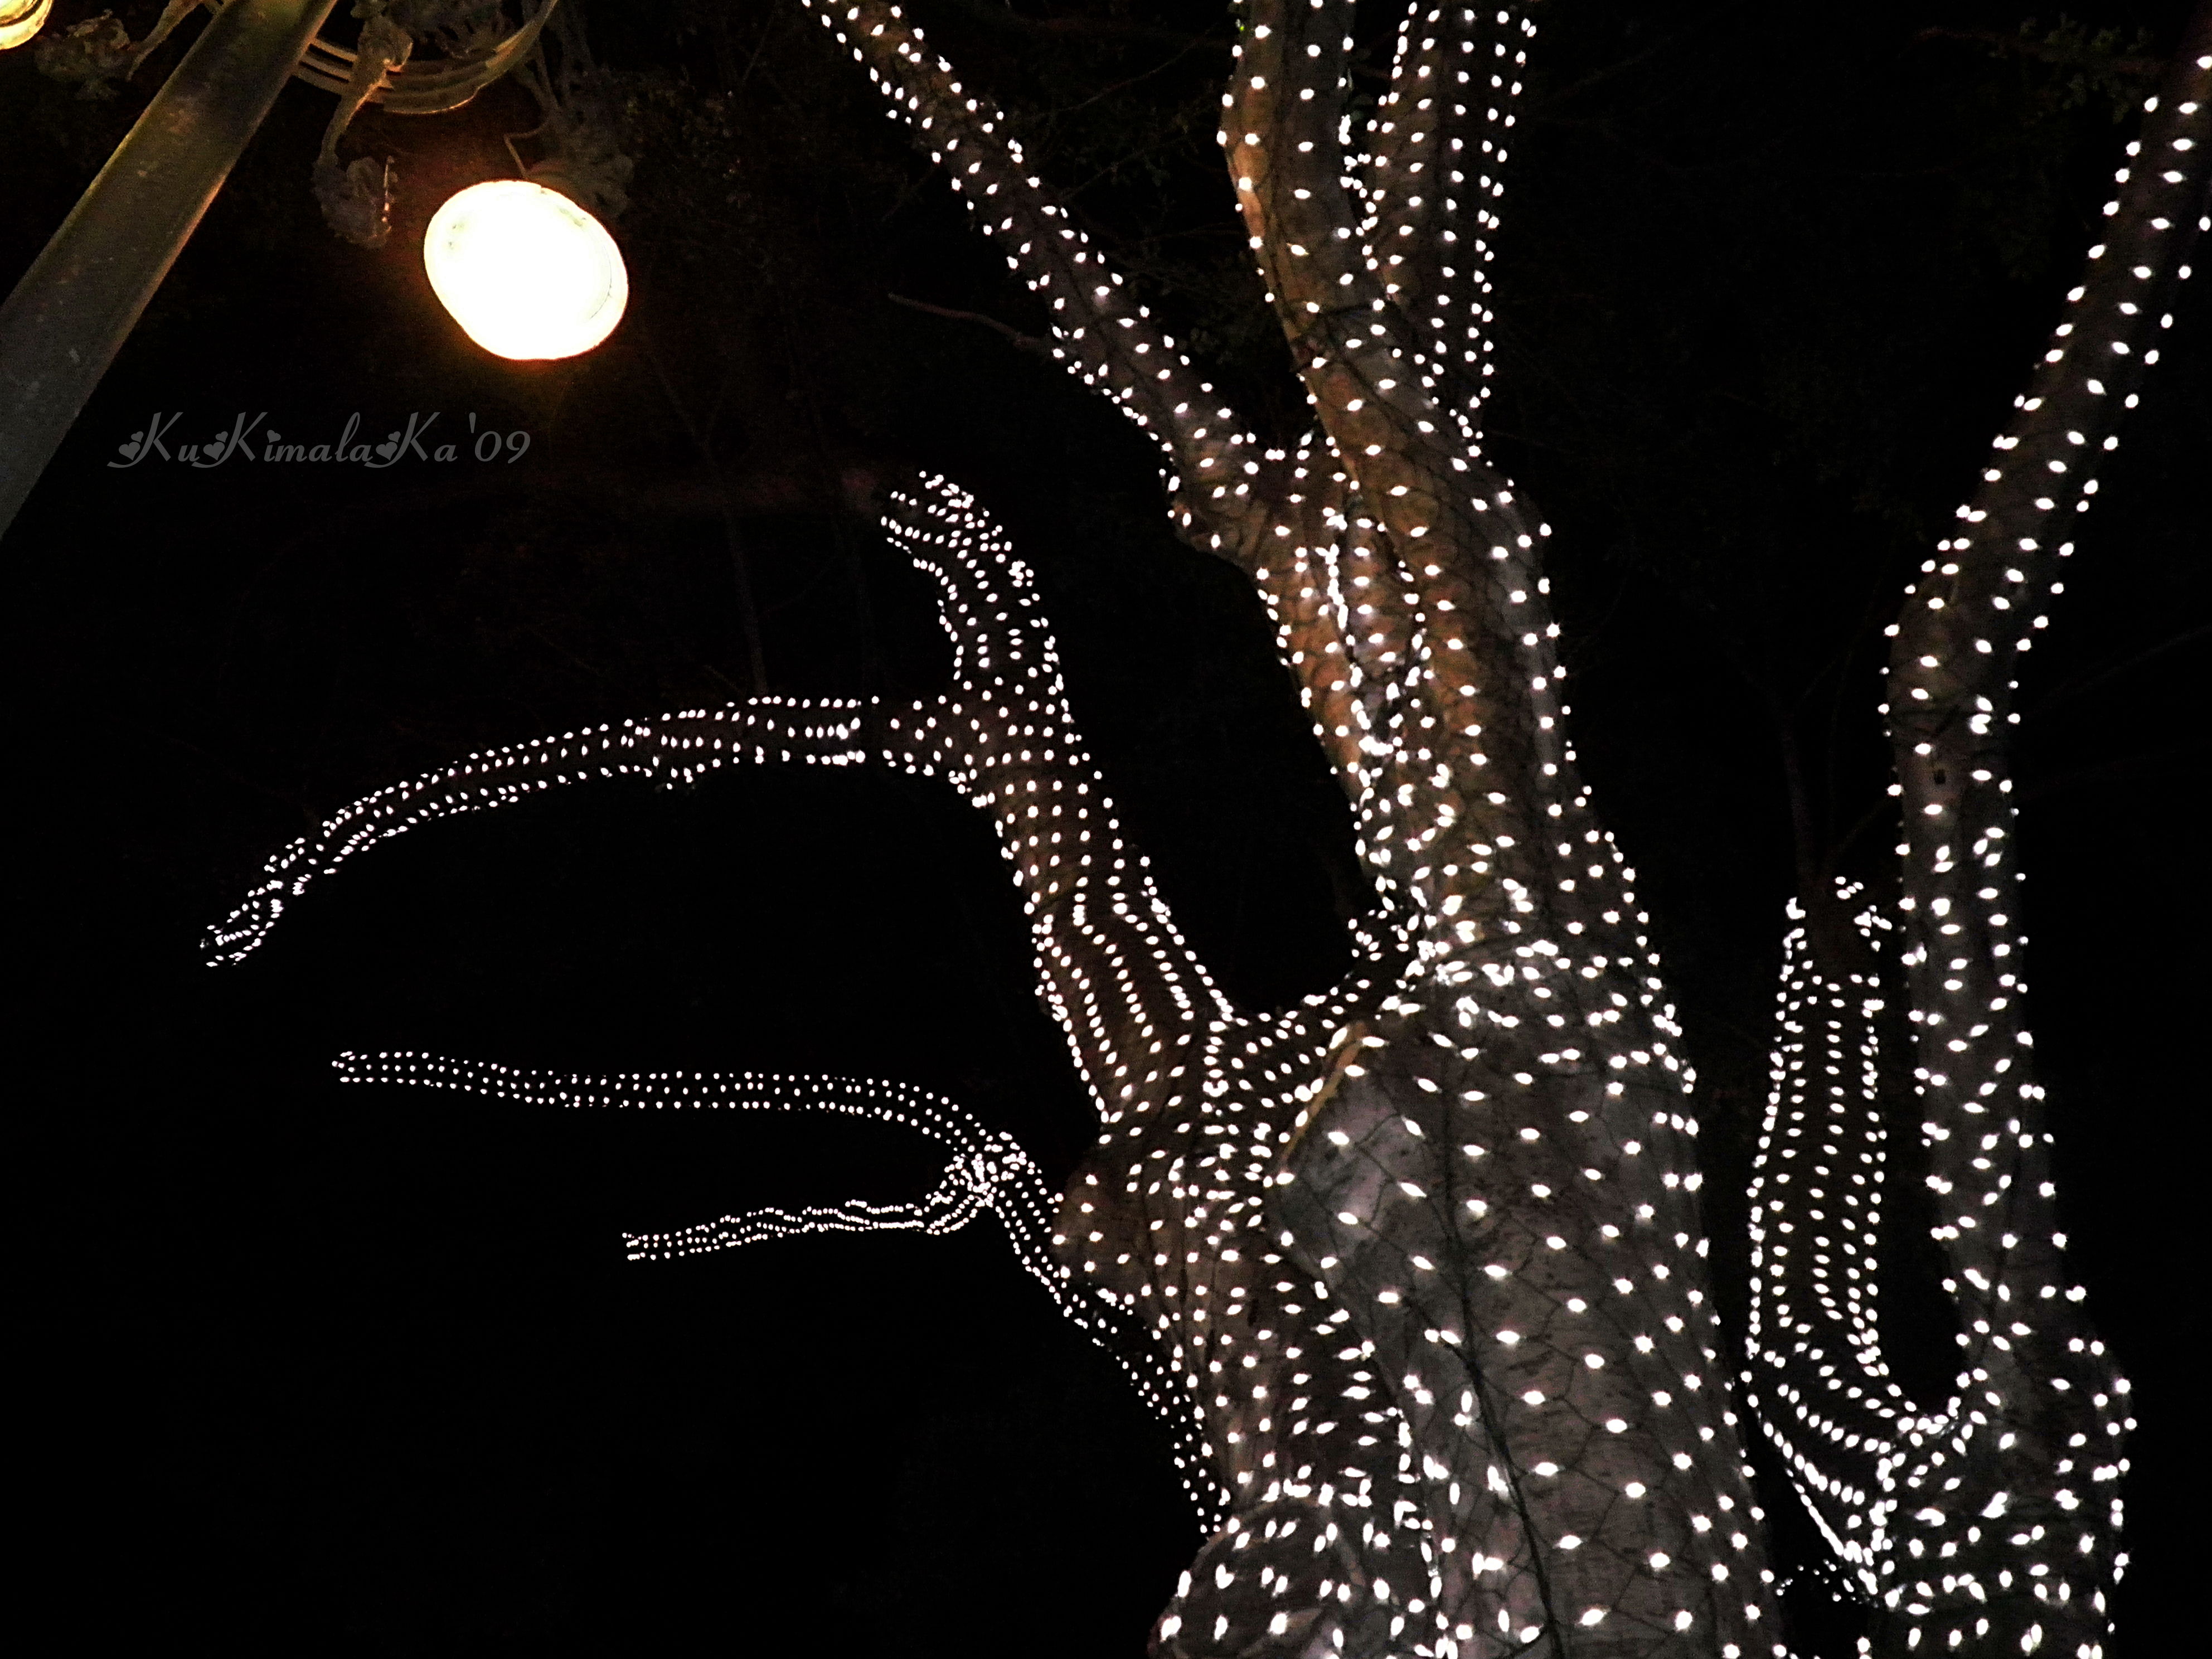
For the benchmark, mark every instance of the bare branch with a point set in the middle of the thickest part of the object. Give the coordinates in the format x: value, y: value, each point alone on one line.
x: 2080, y: 685
x: 1100, y: 27
x: 1437, y: 554
x: 2050, y: 51
x: 1013, y: 336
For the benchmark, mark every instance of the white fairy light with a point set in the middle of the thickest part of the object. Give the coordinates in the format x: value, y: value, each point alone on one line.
x: 1322, y: 1422
x: 1975, y: 1523
x: 1414, y: 1270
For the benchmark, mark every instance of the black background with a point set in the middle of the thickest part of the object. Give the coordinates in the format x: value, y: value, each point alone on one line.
x: 362, y: 1371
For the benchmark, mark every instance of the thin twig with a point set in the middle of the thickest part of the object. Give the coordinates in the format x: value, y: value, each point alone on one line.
x: 740, y: 569
x: 2107, y: 771
x: 1026, y: 342
x: 1122, y: 85
x: 1576, y: 88
x: 1105, y: 28
x: 2050, y: 51
x: 2066, y: 693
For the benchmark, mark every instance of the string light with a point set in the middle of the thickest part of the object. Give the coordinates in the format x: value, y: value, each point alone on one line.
x: 1348, y: 1431
x: 1990, y: 1521
x: 1414, y: 1270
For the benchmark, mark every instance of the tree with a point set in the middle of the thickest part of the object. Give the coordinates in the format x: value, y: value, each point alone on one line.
x: 1448, y: 1212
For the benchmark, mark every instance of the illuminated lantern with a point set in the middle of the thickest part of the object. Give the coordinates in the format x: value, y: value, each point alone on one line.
x: 524, y: 271
x: 20, y: 19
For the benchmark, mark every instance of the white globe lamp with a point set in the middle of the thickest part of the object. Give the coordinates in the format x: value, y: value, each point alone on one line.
x: 527, y: 272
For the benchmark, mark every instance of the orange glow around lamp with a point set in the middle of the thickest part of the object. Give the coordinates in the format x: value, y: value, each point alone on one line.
x: 527, y: 272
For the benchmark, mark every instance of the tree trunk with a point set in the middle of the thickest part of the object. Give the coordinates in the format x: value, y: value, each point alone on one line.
x: 1426, y: 1254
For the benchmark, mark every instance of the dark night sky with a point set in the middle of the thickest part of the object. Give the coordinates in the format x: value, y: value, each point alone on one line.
x: 363, y: 1372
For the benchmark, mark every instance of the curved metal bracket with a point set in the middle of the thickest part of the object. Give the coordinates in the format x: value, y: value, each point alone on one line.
x: 425, y: 87
x: 429, y: 86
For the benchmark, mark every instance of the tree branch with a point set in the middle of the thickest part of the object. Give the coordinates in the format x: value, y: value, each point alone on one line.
x: 1439, y: 144
x: 1109, y: 340
x: 1107, y: 29
x: 2050, y: 51
x: 988, y: 1170
x: 1014, y: 336
x: 674, y: 748
x: 1295, y: 187
x: 2034, y: 1384
x: 2068, y: 690
x: 1115, y: 973
x: 1954, y: 666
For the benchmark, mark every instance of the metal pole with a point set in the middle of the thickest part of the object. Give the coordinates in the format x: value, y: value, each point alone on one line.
x: 78, y: 302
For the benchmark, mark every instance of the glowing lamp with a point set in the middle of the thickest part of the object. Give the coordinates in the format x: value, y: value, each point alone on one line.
x: 20, y: 19
x: 524, y: 270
